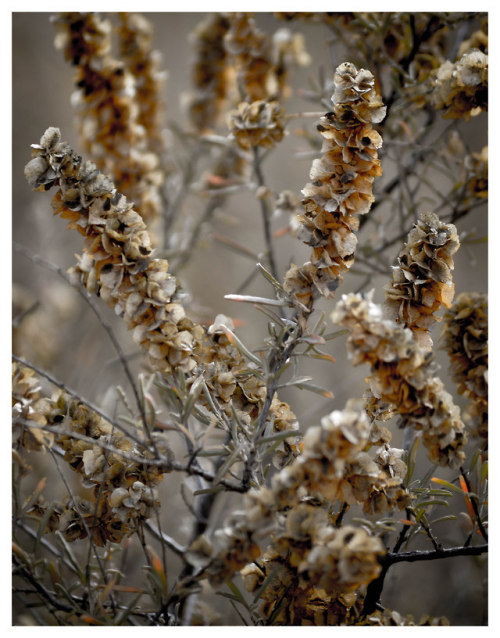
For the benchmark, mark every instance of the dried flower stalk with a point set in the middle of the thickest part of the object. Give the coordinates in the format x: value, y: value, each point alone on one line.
x: 212, y: 75
x: 335, y: 464
x: 401, y: 376
x: 465, y: 337
x: 251, y: 51
x: 341, y: 186
x: 316, y: 566
x: 135, y: 35
x: 422, y: 280
x: 112, y: 108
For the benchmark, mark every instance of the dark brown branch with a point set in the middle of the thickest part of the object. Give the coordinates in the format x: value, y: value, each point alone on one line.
x: 375, y: 588
x: 434, y: 554
x: 473, y: 501
x: 402, y: 535
x: 341, y: 514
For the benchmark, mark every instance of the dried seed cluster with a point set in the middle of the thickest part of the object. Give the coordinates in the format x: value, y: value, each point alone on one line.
x: 401, y: 376
x: 341, y: 185
x: 118, y: 102
x: 118, y: 264
x: 212, y: 75
x: 334, y: 465
x: 465, y: 337
x: 27, y: 421
x: 316, y: 568
x: 261, y: 76
x: 391, y: 618
x: 422, y: 280
x: 460, y: 89
x: 306, y: 606
x: 250, y: 49
x: 233, y: 56
x: 477, y: 168
x: 135, y: 34
x: 113, y: 467
x: 258, y: 123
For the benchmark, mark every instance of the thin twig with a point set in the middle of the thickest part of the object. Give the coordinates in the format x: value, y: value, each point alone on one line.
x: 76, y: 396
x: 402, y: 534
x: 167, y: 540
x: 175, y: 204
x: 210, y: 208
x: 90, y: 301
x: 340, y: 516
x: 473, y: 501
x: 46, y: 595
x: 43, y: 541
x: 266, y: 214
x: 84, y: 524
x: 277, y: 359
x: 17, y: 320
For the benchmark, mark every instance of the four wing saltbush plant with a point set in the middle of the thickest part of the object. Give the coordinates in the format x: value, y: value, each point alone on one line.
x: 196, y: 485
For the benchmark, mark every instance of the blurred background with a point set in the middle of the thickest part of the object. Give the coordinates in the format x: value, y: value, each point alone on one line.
x: 61, y: 335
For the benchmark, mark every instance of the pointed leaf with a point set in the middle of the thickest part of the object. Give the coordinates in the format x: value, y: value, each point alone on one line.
x: 316, y: 389
x: 450, y: 486
x: 256, y: 300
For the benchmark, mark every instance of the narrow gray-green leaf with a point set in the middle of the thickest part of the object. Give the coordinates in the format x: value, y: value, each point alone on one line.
x: 258, y: 300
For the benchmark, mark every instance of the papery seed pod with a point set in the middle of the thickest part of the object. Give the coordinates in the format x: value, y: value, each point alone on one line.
x: 28, y: 423
x: 311, y: 566
x: 251, y: 51
x: 465, y: 337
x: 257, y: 124
x: 401, y: 375
x: 340, y: 187
x: 422, y: 280
x: 135, y: 35
x: 333, y: 466
x: 460, y: 90
x: 390, y: 618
